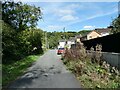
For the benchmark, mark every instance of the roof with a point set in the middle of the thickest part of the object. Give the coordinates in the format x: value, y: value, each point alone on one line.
x: 78, y: 36
x: 94, y: 31
x: 62, y: 40
x: 71, y: 38
x: 86, y: 34
x: 99, y: 31
x: 103, y: 30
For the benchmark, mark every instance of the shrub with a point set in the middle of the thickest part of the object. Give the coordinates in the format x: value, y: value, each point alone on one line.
x: 96, y: 54
x: 90, y: 69
x: 31, y: 41
x: 17, y: 45
x: 78, y: 53
x: 9, y: 43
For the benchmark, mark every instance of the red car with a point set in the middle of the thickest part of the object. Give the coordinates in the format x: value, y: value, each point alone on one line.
x: 60, y: 51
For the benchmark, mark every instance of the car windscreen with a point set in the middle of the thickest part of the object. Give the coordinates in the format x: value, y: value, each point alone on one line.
x: 61, y: 49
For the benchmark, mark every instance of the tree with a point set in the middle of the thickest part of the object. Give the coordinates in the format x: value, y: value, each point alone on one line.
x: 16, y: 46
x: 84, y: 32
x: 10, y: 47
x: 30, y: 41
x: 20, y: 16
x: 53, y: 38
x: 116, y: 25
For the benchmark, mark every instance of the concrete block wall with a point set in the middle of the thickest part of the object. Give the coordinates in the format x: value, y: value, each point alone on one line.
x: 112, y: 58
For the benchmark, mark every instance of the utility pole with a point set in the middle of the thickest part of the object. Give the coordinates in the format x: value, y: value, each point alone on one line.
x: 48, y: 45
x: 64, y: 36
x: 46, y: 40
x: 64, y: 32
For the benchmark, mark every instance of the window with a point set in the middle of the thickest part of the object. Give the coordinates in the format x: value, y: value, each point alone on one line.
x: 90, y: 37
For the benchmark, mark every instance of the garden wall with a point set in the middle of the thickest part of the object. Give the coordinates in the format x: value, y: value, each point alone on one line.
x: 112, y: 58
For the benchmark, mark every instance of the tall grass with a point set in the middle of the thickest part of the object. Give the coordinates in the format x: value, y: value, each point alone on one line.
x: 11, y: 71
x: 90, y: 68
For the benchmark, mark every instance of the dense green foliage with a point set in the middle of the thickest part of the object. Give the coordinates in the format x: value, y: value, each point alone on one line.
x: 90, y: 69
x: 31, y: 41
x: 20, y: 16
x: 9, y: 43
x: 54, y: 37
x: 12, y: 71
x: 17, y: 45
x: 84, y: 32
x: 116, y: 25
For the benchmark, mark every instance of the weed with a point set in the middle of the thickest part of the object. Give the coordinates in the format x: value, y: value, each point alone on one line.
x: 90, y: 69
x: 12, y: 71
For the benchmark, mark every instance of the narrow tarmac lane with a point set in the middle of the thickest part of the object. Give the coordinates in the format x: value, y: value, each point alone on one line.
x: 47, y: 72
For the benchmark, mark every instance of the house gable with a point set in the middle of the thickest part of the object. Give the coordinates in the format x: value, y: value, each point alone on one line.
x: 93, y: 34
x: 103, y: 31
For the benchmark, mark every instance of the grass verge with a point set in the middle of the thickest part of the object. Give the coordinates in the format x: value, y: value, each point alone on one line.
x: 90, y: 68
x: 92, y: 75
x: 12, y: 71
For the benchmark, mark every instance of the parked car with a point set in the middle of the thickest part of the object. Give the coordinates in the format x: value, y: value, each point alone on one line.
x: 60, y: 51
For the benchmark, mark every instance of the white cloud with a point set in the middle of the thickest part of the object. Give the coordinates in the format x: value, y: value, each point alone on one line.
x: 27, y: 0
x: 69, y: 0
x: 54, y: 13
x: 69, y: 18
x: 102, y: 14
x: 92, y: 17
x: 62, y: 12
x: 89, y: 27
x: 73, y: 6
x: 66, y: 12
x: 51, y: 28
x: 54, y: 27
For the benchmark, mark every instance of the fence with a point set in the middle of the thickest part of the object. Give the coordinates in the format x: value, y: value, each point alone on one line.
x: 112, y: 58
x: 110, y: 43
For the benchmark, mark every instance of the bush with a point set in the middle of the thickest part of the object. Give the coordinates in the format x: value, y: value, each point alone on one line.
x: 31, y: 42
x: 78, y: 53
x: 9, y: 43
x: 17, y: 45
x: 90, y: 69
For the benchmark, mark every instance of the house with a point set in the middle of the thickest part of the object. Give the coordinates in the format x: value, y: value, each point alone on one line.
x: 61, y: 43
x: 77, y: 38
x: 70, y: 41
x: 99, y: 32
x: 91, y: 35
x: 103, y: 31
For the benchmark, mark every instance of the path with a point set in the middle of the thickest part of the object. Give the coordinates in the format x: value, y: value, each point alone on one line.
x: 47, y: 72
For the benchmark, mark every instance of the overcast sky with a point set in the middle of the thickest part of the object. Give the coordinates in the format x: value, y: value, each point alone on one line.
x: 76, y: 16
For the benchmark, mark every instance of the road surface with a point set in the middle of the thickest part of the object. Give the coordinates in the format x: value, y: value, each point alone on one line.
x: 47, y: 72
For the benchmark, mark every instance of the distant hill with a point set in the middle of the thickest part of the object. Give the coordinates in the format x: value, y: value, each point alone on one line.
x: 84, y: 32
